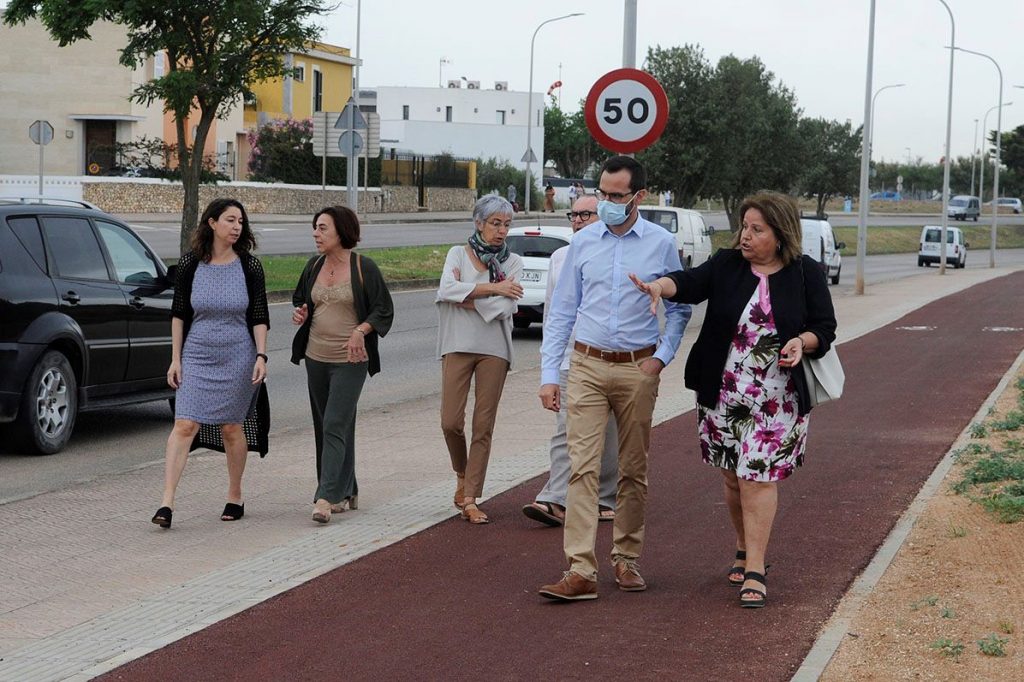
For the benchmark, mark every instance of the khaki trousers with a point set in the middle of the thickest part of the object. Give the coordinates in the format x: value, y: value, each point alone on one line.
x: 595, y: 386
x: 489, y: 371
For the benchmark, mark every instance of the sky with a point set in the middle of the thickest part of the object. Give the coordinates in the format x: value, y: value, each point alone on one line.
x: 816, y: 48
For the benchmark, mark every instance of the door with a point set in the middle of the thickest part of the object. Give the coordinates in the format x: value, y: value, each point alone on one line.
x: 149, y: 303
x: 88, y: 296
x: 99, y: 146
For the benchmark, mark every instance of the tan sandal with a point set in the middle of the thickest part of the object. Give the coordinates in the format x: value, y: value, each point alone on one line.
x: 460, y: 490
x: 472, y: 513
x: 322, y: 511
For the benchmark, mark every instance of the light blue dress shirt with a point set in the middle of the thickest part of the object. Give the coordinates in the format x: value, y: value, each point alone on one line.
x: 594, y: 293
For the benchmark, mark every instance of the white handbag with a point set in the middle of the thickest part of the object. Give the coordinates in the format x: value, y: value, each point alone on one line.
x: 825, y: 377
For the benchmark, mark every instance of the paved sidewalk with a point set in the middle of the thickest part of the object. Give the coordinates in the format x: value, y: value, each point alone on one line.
x: 365, y: 218
x: 84, y: 592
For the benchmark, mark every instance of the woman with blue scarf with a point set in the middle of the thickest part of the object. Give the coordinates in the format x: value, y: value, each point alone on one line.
x: 475, y: 303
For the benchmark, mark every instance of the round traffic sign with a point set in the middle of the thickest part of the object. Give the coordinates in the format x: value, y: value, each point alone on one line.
x: 626, y: 110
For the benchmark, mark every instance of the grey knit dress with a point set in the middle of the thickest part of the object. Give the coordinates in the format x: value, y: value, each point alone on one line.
x: 219, y: 353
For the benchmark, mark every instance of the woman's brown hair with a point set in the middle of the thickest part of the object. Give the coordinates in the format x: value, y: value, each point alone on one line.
x: 202, y: 238
x: 783, y: 216
x: 346, y: 224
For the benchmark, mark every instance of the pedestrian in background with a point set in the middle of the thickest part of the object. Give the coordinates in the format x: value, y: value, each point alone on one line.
x: 549, y: 505
x: 616, y: 365
x: 549, y: 198
x: 343, y: 307
x: 475, y: 303
x: 219, y: 343
x: 573, y: 195
x: 768, y: 308
x: 512, y: 197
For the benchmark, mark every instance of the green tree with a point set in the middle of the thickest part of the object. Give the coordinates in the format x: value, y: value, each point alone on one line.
x: 756, y: 141
x: 831, y: 159
x: 567, y: 142
x: 681, y: 158
x: 213, y: 51
x: 282, y: 151
x: 495, y: 175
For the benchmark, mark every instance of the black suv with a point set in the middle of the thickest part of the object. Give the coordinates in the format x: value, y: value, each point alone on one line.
x: 85, y: 311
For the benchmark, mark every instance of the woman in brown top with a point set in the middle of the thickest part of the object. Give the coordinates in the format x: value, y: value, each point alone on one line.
x: 342, y: 306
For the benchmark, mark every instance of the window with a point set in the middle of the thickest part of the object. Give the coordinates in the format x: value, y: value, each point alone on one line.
x: 300, y: 72
x: 27, y: 232
x: 666, y: 219
x: 318, y: 89
x: 405, y: 112
x: 76, y: 253
x: 537, y: 247
x: 132, y: 262
x: 158, y: 65
x: 448, y: 114
x: 499, y: 117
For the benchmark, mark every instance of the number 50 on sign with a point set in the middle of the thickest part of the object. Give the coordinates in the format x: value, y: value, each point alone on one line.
x: 626, y: 110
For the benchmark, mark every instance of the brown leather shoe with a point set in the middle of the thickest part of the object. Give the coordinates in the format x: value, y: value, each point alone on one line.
x: 627, y: 575
x: 572, y: 587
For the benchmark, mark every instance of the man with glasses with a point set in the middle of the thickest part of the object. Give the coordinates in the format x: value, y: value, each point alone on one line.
x: 549, y: 505
x: 618, y: 355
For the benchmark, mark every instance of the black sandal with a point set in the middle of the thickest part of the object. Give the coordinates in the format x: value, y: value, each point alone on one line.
x: 741, y: 555
x: 754, y: 603
x: 232, y: 512
x: 163, y: 516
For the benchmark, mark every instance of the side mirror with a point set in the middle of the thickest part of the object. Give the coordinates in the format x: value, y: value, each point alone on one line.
x: 840, y: 245
x: 172, y: 274
x: 967, y: 245
x: 710, y: 230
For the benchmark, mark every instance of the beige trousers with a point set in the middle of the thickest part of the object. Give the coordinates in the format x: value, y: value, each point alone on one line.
x: 489, y: 371
x: 595, y: 386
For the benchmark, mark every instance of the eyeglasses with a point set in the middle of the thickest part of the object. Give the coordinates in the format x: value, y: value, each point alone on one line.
x: 616, y: 197
x: 499, y: 224
x: 580, y: 215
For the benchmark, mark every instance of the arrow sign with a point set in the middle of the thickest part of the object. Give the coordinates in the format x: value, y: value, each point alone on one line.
x: 351, y: 118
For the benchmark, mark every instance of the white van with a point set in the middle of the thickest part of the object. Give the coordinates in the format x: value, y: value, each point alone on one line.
x: 693, y: 236
x: 931, y: 245
x: 964, y: 208
x: 819, y: 242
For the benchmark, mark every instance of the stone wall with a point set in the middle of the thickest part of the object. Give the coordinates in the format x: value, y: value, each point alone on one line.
x: 126, y: 195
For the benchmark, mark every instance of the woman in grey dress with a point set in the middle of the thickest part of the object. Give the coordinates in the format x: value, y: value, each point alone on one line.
x: 219, y: 340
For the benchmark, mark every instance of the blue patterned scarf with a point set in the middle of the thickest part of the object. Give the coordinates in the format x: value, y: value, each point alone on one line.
x: 491, y: 256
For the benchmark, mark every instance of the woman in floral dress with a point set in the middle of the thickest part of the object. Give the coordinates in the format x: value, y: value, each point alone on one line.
x: 768, y: 306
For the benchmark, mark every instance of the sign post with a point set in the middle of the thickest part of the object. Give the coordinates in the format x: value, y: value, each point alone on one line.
x: 41, y: 133
x: 626, y: 110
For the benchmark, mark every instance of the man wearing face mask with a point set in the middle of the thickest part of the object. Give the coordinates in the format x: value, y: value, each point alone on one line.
x: 618, y: 355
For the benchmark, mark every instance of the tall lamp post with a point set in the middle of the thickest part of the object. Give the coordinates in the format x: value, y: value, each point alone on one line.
x: 908, y: 155
x: 865, y: 157
x: 974, y: 157
x: 949, y: 127
x: 999, y: 144
x: 528, y: 157
x: 871, y: 146
x: 984, y: 130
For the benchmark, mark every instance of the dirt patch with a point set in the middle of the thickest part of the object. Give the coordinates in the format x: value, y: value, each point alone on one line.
x: 955, y: 581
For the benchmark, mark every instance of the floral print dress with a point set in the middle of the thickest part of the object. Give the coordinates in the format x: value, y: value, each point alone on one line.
x: 755, y: 430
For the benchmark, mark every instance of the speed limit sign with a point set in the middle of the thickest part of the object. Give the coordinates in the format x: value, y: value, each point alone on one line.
x: 626, y: 110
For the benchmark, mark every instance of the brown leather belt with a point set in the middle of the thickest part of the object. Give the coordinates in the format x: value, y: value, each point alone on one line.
x: 615, y: 355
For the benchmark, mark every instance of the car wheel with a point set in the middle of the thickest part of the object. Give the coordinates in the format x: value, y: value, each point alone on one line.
x: 920, y: 262
x: 49, y: 405
x: 520, y: 322
x: 835, y: 279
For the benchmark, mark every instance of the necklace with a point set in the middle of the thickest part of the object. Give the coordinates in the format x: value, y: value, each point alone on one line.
x: 331, y: 272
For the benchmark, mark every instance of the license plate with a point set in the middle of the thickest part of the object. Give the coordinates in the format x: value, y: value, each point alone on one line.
x: 531, y: 275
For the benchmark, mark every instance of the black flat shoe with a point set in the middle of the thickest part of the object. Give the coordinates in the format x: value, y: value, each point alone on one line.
x: 163, y: 516
x: 232, y: 512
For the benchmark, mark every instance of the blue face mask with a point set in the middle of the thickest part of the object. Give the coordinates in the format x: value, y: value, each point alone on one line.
x: 612, y: 214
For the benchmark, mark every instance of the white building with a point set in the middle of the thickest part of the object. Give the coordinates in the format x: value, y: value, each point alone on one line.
x: 464, y: 120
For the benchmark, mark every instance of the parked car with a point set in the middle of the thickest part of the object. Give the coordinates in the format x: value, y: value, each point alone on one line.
x: 85, y: 319
x: 886, y: 195
x: 1008, y: 204
x: 693, y: 236
x: 819, y: 242
x: 535, y: 246
x: 931, y: 244
x: 964, y: 207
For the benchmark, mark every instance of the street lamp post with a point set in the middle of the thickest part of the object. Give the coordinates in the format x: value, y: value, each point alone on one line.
x: 865, y: 157
x: 908, y: 155
x: 949, y: 128
x: 871, y: 146
x: 984, y: 130
x: 529, y: 156
x: 999, y: 144
x: 974, y: 156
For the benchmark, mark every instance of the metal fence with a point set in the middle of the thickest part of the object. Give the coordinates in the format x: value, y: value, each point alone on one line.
x: 412, y: 170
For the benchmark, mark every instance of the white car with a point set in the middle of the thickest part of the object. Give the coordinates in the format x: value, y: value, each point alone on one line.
x: 931, y: 246
x: 1008, y: 204
x: 693, y: 236
x: 535, y: 246
x: 819, y: 242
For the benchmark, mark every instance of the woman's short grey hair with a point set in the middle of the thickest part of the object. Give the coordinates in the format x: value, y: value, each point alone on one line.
x: 490, y: 204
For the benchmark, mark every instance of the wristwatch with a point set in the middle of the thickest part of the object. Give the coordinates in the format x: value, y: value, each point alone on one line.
x: 264, y: 356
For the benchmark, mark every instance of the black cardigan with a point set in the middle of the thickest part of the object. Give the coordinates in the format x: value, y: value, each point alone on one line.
x: 255, y: 284
x: 372, y: 300
x: 800, y: 302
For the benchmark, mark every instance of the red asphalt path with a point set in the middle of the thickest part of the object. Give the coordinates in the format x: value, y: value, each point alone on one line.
x: 459, y: 602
